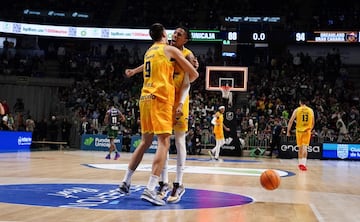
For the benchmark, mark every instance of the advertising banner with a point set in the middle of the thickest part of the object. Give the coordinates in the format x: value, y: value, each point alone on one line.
x: 231, y: 147
x: 99, y: 142
x: 341, y: 151
x: 135, y: 141
x: 290, y: 150
x: 15, y: 141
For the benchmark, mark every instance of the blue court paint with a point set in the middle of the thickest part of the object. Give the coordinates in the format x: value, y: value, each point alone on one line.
x: 106, y: 196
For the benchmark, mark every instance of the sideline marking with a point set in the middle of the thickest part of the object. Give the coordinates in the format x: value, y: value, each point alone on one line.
x: 222, y: 160
x: 195, y: 169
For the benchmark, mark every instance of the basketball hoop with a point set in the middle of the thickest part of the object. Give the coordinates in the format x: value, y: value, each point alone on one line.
x: 226, y: 94
x: 225, y: 90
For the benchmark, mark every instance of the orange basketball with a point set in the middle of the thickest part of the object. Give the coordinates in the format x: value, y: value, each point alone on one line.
x: 270, y: 179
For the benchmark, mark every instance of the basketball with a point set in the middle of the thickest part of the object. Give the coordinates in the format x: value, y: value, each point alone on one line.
x: 270, y: 179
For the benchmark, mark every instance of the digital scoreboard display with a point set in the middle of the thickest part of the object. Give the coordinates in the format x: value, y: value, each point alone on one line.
x: 327, y: 37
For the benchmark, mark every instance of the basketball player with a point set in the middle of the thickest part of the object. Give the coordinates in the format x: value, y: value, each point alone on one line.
x: 180, y: 37
x: 113, y: 117
x: 156, y: 108
x: 305, y: 122
x: 218, y: 122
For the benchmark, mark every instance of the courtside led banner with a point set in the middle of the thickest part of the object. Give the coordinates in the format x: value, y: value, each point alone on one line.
x: 135, y: 141
x: 97, y: 32
x: 290, y: 150
x: 99, y: 142
x: 15, y: 141
x: 344, y: 151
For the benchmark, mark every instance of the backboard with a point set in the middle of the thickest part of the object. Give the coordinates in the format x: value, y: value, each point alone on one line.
x: 234, y: 76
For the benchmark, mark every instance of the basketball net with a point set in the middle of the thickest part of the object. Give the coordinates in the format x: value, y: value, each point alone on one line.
x: 226, y: 93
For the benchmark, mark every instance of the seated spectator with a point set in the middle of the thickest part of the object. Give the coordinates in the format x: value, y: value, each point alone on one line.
x: 4, y: 123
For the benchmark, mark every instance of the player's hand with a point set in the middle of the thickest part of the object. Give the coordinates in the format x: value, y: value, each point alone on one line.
x: 129, y: 72
x: 178, y: 111
x: 122, y: 118
x: 195, y: 62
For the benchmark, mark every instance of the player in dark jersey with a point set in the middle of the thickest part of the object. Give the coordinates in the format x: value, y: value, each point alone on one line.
x: 113, y: 117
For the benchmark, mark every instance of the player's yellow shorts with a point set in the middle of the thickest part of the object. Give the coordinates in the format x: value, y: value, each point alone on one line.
x: 303, y: 137
x: 181, y: 124
x: 219, y: 134
x: 156, y: 117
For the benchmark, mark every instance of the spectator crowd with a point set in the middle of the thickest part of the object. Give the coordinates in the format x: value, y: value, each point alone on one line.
x: 273, y: 92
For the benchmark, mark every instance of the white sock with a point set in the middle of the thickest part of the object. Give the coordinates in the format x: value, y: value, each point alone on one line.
x: 219, y: 144
x: 164, y: 176
x: 303, y: 161
x: 153, y: 182
x: 180, y: 139
x: 128, y: 175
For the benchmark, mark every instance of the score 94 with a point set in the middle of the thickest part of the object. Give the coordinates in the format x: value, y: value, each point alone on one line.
x: 300, y: 37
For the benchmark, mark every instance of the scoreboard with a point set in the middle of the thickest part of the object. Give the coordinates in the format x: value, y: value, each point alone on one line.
x: 282, y: 37
x: 327, y: 37
x: 236, y: 39
x: 245, y: 36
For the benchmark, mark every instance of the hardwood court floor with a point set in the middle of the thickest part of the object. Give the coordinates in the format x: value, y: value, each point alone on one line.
x: 328, y: 191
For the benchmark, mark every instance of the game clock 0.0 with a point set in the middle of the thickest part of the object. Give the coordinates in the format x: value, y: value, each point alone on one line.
x: 259, y: 36
x: 253, y: 36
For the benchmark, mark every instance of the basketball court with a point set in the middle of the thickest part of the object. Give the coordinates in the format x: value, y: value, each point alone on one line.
x: 82, y: 186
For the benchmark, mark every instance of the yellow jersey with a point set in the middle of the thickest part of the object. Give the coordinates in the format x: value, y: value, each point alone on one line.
x: 158, y: 75
x: 218, y: 128
x: 179, y: 75
x: 304, y: 118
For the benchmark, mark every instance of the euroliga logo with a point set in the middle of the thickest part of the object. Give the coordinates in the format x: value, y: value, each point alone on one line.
x: 106, y: 196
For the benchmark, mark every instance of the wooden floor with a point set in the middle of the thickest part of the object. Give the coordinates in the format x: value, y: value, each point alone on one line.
x: 328, y: 191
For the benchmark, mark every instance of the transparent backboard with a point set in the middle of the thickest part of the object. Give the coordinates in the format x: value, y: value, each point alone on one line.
x: 234, y: 76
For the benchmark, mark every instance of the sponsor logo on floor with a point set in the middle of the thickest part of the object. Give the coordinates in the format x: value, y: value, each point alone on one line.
x: 106, y: 196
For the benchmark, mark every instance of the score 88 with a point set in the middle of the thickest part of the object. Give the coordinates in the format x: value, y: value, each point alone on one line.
x: 232, y: 36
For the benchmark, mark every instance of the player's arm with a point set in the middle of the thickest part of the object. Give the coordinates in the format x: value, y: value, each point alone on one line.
x: 214, y: 119
x: 173, y: 52
x: 193, y: 60
x: 106, y: 118
x: 226, y: 128
x: 121, y: 117
x: 313, y: 120
x: 185, y: 88
x: 130, y: 72
x: 184, y: 92
x: 292, y: 118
